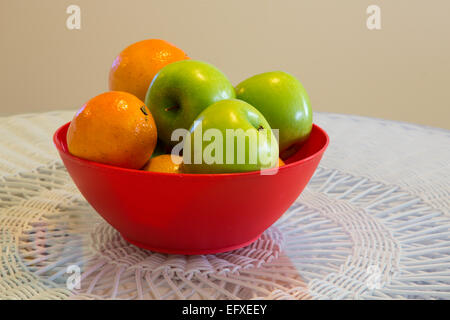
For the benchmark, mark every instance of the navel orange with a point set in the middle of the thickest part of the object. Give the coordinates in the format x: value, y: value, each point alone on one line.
x: 164, y: 163
x: 135, y: 67
x: 115, y: 128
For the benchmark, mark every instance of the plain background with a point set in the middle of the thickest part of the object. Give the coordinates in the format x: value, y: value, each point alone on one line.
x: 400, y: 72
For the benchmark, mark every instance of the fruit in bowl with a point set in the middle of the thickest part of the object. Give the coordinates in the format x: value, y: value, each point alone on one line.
x: 242, y: 140
x: 135, y: 67
x: 283, y: 101
x: 115, y: 128
x: 167, y: 163
x: 223, y: 184
x: 181, y: 90
x: 192, y: 213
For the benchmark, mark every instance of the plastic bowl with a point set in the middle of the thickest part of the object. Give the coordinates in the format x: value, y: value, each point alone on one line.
x: 192, y: 213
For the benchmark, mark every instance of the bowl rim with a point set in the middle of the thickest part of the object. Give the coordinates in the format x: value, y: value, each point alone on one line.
x: 62, y: 148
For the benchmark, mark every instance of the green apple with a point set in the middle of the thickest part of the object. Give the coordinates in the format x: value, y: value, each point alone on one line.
x: 283, y: 101
x: 229, y: 136
x: 160, y: 149
x: 180, y: 91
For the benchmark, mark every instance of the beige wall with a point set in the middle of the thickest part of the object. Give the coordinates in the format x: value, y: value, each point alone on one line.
x: 401, y: 72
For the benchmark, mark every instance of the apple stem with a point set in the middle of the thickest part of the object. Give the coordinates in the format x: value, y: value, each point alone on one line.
x: 171, y: 108
x: 260, y: 128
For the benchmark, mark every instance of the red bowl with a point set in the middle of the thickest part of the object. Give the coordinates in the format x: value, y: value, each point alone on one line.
x: 192, y: 213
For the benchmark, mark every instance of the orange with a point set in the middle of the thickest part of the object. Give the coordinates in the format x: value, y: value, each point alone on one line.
x: 135, y: 67
x: 280, y: 162
x: 164, y: 163
x: 115, y: 128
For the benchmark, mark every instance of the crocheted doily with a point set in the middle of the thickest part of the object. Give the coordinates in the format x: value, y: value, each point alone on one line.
x: 372, y: 223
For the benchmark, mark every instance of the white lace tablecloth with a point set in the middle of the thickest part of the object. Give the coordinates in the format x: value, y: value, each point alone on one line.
x: 373, y: 223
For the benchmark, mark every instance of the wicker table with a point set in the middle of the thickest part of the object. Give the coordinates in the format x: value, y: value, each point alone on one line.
x: 373, y: 223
